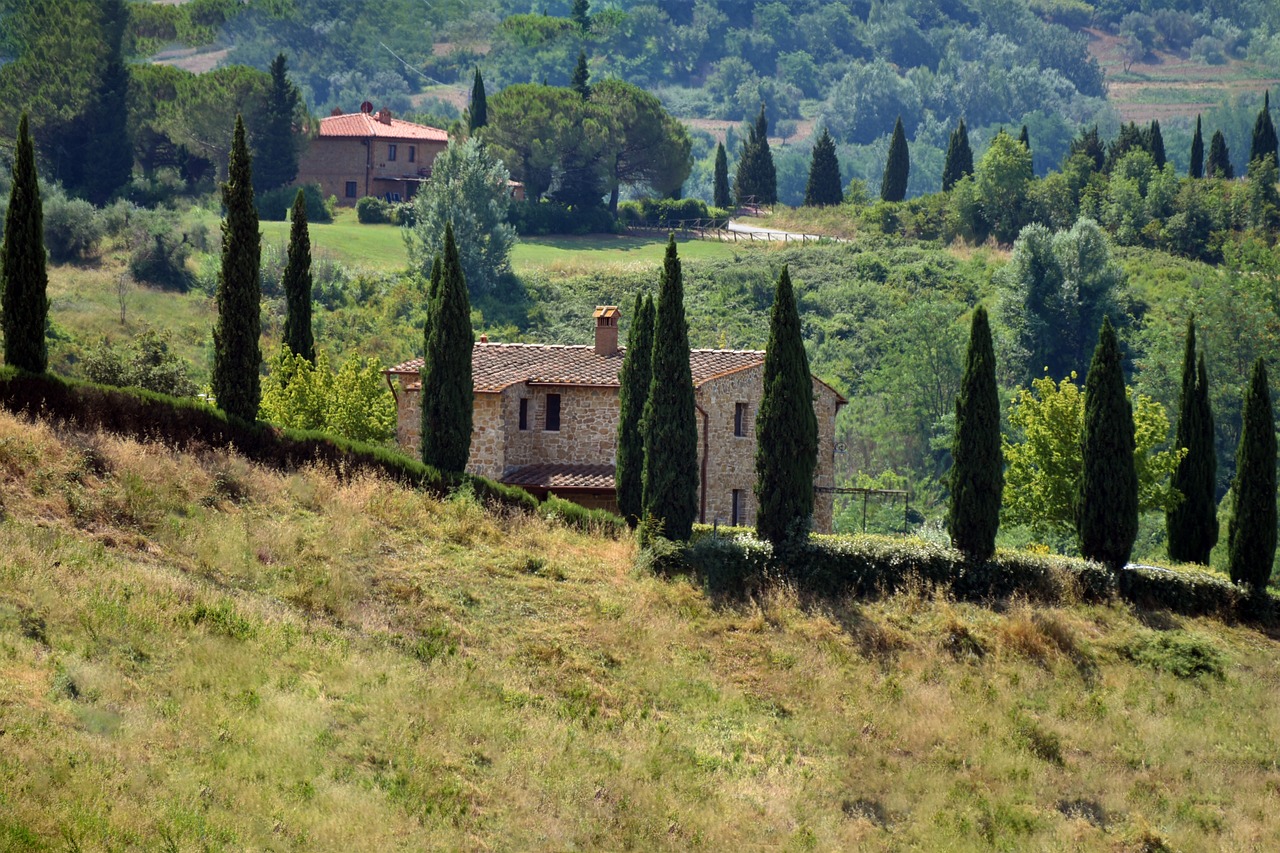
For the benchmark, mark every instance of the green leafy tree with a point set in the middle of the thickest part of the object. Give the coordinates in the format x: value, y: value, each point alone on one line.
x: 353, y: 403
x: 633, y: 392
x: 468, y: 193
x: 720, y: 179
x: 296, y: 284
x: 236, y: 353
x: 1251, y: 533
x: 200, y: 111
x: 26, y: 278
x: 756, y: 181
x: 1107, y: 508
x: 824, y: 186
x: 650, y: 149
x: 959, y: 160
x: 1002, y: 181
x: 1219, y: 163
x: 107, y: 161
x: 897, y: 168
x: 276, y: 145
x: 581, y: 80
x: 447, y: 390
x: 1192, y: 525
x: 669, y: 426
x: 1264, y: 142
x: 478, y: 112
x: 1196, y: 169
x: 786, y: 427
x: 977, y: 470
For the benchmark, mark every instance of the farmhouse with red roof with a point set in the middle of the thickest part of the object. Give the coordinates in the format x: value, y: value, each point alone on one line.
x: 546, y: 419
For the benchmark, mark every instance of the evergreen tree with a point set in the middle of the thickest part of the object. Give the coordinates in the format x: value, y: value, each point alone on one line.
x: 824, y: 174
x: 581, y: 14
x: 893, y: 186
x: 977, y: 468
x: 276, y: 154
x: 447, y: 391
x: 1251, y: 533
x: 669, y: 427
x: 1131, y: 137
x: 478, y: 113
x: 1090, y: 144
x: 296, y: 284
x: 1155, y: 144
x: 1107, y: 507
x: 237, y: 356
x: 1192, y: 527
x: 107, y: 163
x: 1196, y: 169
x: 1219, y: 164
x: 720, y: 181
x: 757, y: 179
x: 1025, y: 138
x: 26, y: 279
x: 786, y: 427
x: 959, y: 160
x: 580, y: 82
x: 633, y: 391
x: 1264, y: 134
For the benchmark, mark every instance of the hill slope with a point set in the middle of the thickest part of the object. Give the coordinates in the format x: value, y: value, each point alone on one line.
x: 198, y: 653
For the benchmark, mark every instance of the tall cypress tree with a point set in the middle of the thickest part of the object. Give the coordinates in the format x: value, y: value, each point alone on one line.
x: 581, y: 14
x: 237, y: 385
x: 1219, y: 163
x: 26, y: 279
x: 276, y: 154
x: 824, y: 174
x: 1251, y: 533
x: 107, y: 161
x: 669, y: 426
x: 633, y: 391
x: 580, y: 81
x: 757, y: 178
x: 893, y: 186
x: 1264, y: 133
x: 296, y: 284
x: 1155, y: 143
x: 959, y: 160
x: 1107, y: 507
x: 1192, y: 526
x: 447, y: 391
x: 977, y: 468
x: 1196, y: 170
x: 478, y: 113
x: 1025, y: 138
x: 786, y: 427
x: 720, y: 179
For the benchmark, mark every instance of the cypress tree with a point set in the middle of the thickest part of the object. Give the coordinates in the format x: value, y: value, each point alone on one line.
x: 720, y: 182
x: 581, y: 76
x: 633, y: 391
x: 26, y: 279
x: 107, y: 162
x: 236, y: 355
x: 581, y: 14
x: 1192, y: 526
x: 669, y: 427
x: 447, y: 391
x: 1025, y: 138
x: 478, y: 114
x: 959, y: 160
x: 1196, y: 169
x: 1107, y: 507
x: 824, y: 174
x: 296, y: 284
x: 757, y: 178
x: 1155, y: 144
x: 977, y: 467
x: 893, y: 186
x: 1264, y: 134
x: 1251, y: 533
x: 276, y: 155
x: 1219, y: 164
x: 786, y: 427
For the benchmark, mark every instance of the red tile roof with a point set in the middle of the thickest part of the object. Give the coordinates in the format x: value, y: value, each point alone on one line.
x: 561, y: 476
x: 366, y: 124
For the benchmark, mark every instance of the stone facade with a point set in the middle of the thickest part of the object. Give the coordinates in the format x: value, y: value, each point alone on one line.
x: 351, y: 165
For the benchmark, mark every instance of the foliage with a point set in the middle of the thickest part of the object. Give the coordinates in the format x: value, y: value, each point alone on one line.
x: 1251, y: 532
x: 1196, y: 167
x: 579, y: 82
x: 536, y: 218
x: 25, y: 306
x: 107, y: 158
x: 478, y: 111
x: 756, y: 181
x: 824, y: 186
x: 73, y: 227
x: 372, y: 210
x: 275, y: 205
x: 354, y: 403
x: 1219, y: 162
x: 1264, y: 142
x: 671, y: 213
x: 651, y: 150
x: 296, y: 284
x: 276, y: 141
x: 976, y: 479
x: 447, y: 392
x: 897, y: 168
x: 720, y: 182
x: 158, y: 253
x: 1192, y: 526
x: 148, y: 363
x: 633, y: 392
x: 959, y: 157
x: 1002, y: 180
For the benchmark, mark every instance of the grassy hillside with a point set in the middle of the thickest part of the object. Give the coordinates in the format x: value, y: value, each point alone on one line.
x: 197, y: 653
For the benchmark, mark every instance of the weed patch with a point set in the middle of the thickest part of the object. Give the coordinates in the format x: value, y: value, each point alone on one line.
x: 1178, y: 653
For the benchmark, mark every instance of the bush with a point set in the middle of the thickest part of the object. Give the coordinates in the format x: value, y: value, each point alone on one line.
x: 579, y: 517
x: 274, y: 205
x: 671, y: 213
x: 73, y: 228
x: 534, y: 218
x: 148, y: 363
x: 159, y: 256
x: 372, y: 210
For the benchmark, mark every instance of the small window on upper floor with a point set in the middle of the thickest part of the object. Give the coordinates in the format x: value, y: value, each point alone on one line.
x: 553, y: 413
x: 352, y: 189
x: 740, y: 419
x: 413, y: 153
x: 524, y: 413
x: 391, y: 151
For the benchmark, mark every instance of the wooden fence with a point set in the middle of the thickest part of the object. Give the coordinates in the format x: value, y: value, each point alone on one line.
x: 710, y: 229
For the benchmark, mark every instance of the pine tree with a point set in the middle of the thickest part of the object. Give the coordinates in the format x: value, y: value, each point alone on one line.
x: 786, y: 427
x: 1251, y: 533
x: 26, y: 279
x: 720, y: 180
x: 237, y: 356
x: 580, y: 82
x: 824, y: 174
x: 107, y: 162
x: 447, y: 391
x: 757, y: 179
x: 1196, y: 169
x: 893, y: 187
x: 633, y: 391
x: 669, y: 427
x: 1219, y: 164
x: 581, y: 14
x: 959, y: 157
x: 276, y: 155
x: 1107, y: 507
x: 1192, y: 526
x: 1264, y: 134
x: 977, y: 468
x: 1155, y: 144
x: 478, y: 113
x: 296, y: 284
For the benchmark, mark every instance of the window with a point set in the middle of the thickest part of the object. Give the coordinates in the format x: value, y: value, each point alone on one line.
x: 736, y: 508
x: 391, y: 152
x: 524, y: 413
x: 351, y: 189
x: 553, y: 413
x: 413, y: 153
x: 740, y: 419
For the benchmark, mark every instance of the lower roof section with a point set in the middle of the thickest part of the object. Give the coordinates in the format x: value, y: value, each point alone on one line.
x: 553, y: 476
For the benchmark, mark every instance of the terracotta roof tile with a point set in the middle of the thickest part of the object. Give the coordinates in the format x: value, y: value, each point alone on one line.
x: 561, y: 476
x: 365, y: 124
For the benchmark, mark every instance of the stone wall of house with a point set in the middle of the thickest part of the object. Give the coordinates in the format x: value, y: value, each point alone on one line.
x: 332, y: 161
x: 487, y: 445
x: 588, y: 433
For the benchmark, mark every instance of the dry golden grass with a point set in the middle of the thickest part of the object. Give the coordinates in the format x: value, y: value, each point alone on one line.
x: 197, y: 653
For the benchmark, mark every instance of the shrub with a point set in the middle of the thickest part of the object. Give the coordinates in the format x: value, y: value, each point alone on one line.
x: 148, y: 363
x: 533, y: 218
x: 372, y: 210
x: 158, y: 253
x: 73, y: 228
x: 274, y: 205
x: 671, y: 213
x: 1178, y: 653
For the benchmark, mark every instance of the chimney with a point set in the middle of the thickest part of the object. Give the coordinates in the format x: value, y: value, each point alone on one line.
x: 384, y: 115
x: 607, y: 330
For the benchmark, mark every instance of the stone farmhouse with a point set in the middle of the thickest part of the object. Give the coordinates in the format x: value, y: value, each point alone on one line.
x: 546, y: 419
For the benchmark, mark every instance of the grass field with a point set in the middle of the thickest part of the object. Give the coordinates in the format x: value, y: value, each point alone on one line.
x: 199, y: 654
